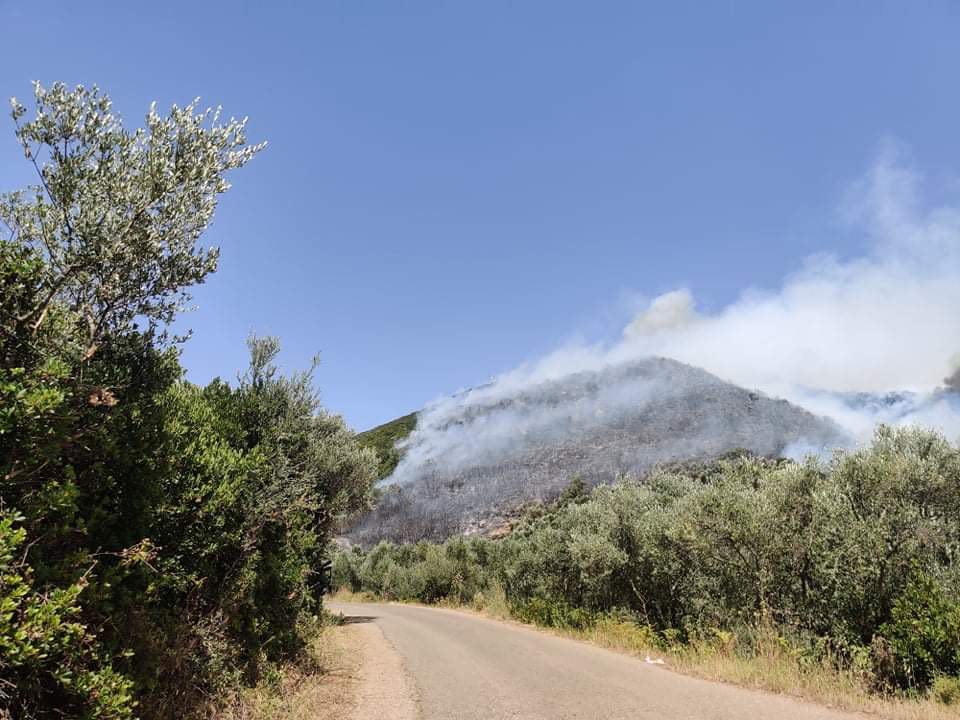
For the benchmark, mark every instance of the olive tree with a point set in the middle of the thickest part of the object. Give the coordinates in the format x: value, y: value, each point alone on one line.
x: 104, y: 242
x: 116, y: 214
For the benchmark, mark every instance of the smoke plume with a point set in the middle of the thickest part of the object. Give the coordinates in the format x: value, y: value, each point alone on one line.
x: 861, y: 340
x: 953, y: 381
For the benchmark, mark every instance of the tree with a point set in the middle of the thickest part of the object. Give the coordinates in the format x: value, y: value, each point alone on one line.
x: 108, y: 236
x: 106, y: 239
x: 117, y: 214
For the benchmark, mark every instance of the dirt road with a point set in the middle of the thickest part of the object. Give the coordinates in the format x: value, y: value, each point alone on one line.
x: 459, y: 666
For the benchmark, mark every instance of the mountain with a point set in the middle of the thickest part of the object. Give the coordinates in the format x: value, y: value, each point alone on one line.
x: 470, y: 461
x: 932, y: 408
x: 383, y: 440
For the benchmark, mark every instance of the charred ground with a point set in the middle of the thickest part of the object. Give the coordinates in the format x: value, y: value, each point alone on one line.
x: 472, y: 468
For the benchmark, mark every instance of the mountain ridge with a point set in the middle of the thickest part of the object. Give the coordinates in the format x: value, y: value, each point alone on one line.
x: 476, y: 458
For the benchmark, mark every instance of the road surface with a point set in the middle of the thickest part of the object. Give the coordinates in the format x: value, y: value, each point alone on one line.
x: 460, y: 666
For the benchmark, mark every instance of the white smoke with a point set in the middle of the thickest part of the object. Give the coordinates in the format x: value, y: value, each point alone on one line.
x: 953, y: 382
x: 886, y: 321
x: 667, y: 313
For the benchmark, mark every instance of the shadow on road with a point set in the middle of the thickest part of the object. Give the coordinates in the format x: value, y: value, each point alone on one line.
x: 358, y: 619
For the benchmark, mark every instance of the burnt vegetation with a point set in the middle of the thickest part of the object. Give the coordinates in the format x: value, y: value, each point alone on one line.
x: 478, y: 467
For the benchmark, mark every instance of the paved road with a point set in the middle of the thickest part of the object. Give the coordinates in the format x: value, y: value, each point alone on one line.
x: 466, y: 667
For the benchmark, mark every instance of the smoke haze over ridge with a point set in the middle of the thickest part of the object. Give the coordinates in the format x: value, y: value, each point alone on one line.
x: 834, y: 331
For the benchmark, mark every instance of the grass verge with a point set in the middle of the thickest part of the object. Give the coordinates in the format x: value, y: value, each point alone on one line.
x: 770, y: 665
x: 320, y: 687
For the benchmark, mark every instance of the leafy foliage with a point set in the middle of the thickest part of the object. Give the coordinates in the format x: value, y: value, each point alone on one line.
x: 160, y: 543
x: 857, y: 556
x: 117, y: 214
x: 924, y: 631
x: 946, y: 690
x: 46, y: 652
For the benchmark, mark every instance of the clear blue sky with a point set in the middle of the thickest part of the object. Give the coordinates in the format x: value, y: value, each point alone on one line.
x: 453, y: 188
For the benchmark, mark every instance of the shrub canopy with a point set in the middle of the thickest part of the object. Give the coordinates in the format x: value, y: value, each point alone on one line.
x: 160, y: 542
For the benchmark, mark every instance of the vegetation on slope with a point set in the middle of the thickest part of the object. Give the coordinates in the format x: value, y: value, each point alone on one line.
x: 383, y: 441
x: 851, y: 563
x: 479, y: 456
x: 161, y: 544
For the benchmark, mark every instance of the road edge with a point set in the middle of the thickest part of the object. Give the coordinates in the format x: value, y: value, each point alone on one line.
x: 384, y: 687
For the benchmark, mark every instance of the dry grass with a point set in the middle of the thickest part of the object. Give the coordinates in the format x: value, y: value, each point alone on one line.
x: 345, y: 595
x: 322, y: 688
x: 493, y: 602
x: 771, y: 667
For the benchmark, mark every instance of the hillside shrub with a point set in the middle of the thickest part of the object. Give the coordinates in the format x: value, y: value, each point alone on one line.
x: 849, y: 561
x: 345, y: 568
x: 552, y: 613
x: 924, y: 633
x: 946, y: 690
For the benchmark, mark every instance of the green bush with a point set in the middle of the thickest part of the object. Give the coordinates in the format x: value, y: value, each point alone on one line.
x: 160, y: 543
x: 551, y: 613
x: 946, y: 690
x: 345, y: 569
x: 924, y: 633
x: 51, y: 661
x: 826, y: 553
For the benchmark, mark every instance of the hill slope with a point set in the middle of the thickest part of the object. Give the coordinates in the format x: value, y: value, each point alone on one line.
x: 383, y: 440
x: 476, y: 458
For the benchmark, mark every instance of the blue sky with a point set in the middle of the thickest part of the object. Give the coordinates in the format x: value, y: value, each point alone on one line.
x: 454, y: 188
